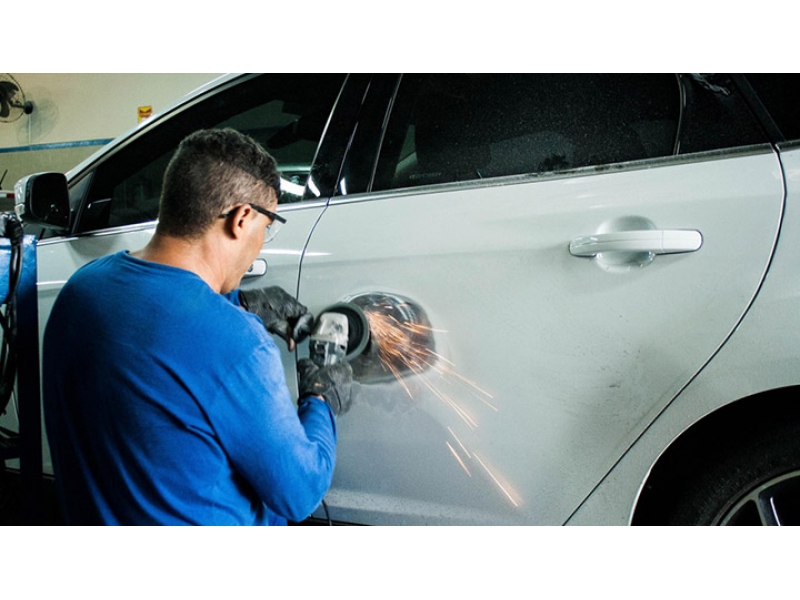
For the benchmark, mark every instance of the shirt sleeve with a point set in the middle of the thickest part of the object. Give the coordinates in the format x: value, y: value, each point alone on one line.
x: 286, y: 454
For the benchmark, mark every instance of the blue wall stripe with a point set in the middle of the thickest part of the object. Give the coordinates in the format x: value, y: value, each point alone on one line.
x: 56, y: 146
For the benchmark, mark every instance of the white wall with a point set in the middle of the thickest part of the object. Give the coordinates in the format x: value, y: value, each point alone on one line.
x: 73, y: 112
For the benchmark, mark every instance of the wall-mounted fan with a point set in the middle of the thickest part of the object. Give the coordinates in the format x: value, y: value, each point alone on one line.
x: 12, y: 100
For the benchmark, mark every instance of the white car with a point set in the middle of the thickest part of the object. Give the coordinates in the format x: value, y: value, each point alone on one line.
x: 582, y: 290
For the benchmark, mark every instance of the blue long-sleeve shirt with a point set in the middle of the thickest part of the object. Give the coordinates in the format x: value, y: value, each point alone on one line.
x: 166, y: 403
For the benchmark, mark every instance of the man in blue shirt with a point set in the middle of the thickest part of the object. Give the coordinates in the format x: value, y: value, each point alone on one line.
x: 165, y: 401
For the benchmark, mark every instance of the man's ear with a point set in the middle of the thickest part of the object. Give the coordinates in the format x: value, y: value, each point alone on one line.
x: 238, y: 221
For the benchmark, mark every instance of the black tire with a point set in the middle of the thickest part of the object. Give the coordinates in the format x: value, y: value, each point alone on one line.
x: 752, y: 481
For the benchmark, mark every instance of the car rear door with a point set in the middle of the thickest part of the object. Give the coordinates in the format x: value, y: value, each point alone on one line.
x: 545, y: 262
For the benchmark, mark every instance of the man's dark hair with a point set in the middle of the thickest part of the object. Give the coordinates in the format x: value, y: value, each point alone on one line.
x: 212, y: 170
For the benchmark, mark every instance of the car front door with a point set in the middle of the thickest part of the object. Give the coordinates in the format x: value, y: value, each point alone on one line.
x: 115, y: 195
x: 544, y: 263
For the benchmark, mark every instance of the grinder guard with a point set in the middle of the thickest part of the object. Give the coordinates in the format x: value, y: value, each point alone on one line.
x: 385, y: 334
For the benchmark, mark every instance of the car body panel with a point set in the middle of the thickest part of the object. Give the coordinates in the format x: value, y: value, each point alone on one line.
x: 736, y: 372
x: 576, y: 356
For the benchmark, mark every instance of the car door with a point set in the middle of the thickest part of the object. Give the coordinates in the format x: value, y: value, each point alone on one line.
x: 545, y: 261
x: 115, y: 195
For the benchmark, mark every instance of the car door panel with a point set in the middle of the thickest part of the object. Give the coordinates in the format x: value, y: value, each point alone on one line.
x: 547, y: 365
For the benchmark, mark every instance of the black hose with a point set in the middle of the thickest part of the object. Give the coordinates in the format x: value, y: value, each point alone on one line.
x: 8, y: 321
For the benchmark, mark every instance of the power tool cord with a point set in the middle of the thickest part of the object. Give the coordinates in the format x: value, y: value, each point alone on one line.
x: 11, y: 229
x: 327, y: 514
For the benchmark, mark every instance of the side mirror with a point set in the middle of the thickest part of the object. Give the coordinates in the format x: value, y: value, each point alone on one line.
x: 43, y: 199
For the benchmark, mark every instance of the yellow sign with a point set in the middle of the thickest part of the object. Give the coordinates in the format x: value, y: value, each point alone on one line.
x: 145, y: 112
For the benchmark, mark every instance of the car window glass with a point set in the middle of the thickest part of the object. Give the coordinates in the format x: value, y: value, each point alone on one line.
x: 286, y: 113
x: 460, y: 127
x: 780, y: 93
x: 716, y: 115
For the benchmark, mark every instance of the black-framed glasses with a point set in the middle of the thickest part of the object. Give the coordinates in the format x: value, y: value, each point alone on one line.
x: 272, y: 228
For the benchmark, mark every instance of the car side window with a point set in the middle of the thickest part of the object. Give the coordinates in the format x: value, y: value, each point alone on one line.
x: 780, y: 93
x: 286, y: 113
x: 716, y: 115
x: 461, y: 127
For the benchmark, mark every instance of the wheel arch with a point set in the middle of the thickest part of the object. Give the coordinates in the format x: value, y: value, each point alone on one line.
x: 709, y: 439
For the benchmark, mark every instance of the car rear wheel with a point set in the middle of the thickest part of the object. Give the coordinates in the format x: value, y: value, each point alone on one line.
x: 776, y: 502
x: 755, y: 483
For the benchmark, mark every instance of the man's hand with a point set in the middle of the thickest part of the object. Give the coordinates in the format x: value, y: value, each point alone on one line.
x: 333, y: 383
x: 281, y: 313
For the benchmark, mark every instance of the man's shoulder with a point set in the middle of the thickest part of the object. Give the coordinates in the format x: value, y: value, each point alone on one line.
x: 98, y: 270
x: 98, y: 264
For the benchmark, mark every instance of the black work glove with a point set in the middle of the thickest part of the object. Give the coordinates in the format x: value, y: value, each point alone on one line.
x: 334, y: 383
x: 281, y: 313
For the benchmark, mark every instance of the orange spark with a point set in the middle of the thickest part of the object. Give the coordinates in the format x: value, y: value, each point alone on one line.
x: 405, y: 346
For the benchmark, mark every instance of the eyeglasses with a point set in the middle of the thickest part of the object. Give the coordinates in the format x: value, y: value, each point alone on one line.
x: 272, y: 228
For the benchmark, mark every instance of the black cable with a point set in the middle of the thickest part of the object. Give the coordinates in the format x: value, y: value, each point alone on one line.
x: 12, y: 229
x: 327, y: 514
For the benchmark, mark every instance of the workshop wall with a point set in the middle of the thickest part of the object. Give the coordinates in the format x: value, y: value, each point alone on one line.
x: 77, y: 113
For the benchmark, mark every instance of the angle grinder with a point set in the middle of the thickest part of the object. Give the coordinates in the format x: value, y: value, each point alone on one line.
x: 340, y: 333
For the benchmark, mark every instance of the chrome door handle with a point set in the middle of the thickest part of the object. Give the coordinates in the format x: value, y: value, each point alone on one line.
x: 653, y: 241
